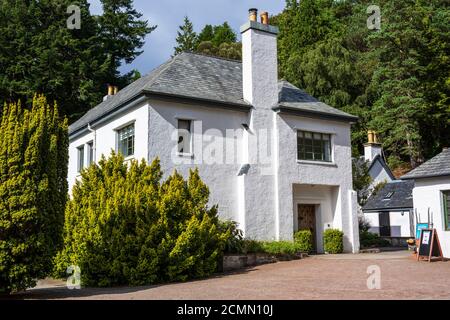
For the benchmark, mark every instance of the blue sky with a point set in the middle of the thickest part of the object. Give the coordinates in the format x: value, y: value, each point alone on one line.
x: 168, y: 15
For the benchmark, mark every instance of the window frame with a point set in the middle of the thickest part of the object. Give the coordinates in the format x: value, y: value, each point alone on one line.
x: 80, y: 158
x: 119, y: 141
x: 313, y: 146
x: 90, y: 153
x: 190, y: 121
x: 445, y: 207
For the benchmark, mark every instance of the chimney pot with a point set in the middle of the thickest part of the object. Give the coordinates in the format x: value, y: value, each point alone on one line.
x: 265, y: 17
x: 110, y: 90
x: 116, y: 89
x: 253, y: 13
x: 370, y: 136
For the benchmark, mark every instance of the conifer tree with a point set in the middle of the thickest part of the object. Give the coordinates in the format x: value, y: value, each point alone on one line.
x: 33, y: 192
x: 186, y: 37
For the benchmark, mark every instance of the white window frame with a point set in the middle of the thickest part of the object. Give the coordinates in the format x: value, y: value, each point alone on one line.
x: 90, y: 153
x: 117, y: 131
x: 191, y: 121
x: 80, y: 158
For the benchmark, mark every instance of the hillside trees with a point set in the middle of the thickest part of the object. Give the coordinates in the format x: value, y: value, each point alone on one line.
x: 38, y: 53
x: 33, y: 191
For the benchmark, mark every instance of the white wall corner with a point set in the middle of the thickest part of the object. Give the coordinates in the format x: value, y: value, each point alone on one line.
x: 353, y: 220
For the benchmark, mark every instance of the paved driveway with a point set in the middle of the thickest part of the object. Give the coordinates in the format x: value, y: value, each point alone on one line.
x: 318, y: 277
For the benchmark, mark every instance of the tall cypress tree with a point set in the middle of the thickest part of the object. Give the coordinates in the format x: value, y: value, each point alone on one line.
x: 33, y: 192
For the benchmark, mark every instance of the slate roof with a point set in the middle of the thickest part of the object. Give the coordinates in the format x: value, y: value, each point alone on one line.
x: 435, y: 167
x: 203, y: 78
x: 294, y: 100
x: 401, y: 197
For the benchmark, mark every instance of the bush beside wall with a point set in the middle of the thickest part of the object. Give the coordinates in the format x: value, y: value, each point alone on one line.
x: 304, y: 240
x: 124, y: 227
x: 333, y: 241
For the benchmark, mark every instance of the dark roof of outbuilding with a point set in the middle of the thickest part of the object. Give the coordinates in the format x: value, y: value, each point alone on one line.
x: 401, y: 197
x: 204, y: 78
x: 435, y: 167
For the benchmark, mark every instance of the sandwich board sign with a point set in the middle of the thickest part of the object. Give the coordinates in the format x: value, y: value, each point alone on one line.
x: 429, y: 245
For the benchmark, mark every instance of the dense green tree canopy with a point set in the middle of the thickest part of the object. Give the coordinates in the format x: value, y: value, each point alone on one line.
x: 395, y: 79
x: 38, y: 53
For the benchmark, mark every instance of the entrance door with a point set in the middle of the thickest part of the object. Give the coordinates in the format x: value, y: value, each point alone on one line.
x: 307, y: 220
x: 385, y: 224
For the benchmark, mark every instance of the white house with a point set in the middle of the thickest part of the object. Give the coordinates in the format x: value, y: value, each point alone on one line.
x: 431, y: 194
x: 373, y: 157
x: 390, y: 212
x: 275, y: 159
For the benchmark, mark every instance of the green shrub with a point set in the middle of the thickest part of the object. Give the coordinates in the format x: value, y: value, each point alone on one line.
x: 370, y: 240
x: 235, y: 240
x: 252, y: 246
x: 280, y: 247
x: 124, y: 227
x: 304, y: 240
x: 33, y: 192
x: 333, y: 241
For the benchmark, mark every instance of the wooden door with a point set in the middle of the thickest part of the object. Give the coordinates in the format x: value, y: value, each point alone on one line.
x: 307, y: 219
x: 385, y: 224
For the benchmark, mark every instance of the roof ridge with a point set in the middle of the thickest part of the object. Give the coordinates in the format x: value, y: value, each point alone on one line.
x: 210, y: 56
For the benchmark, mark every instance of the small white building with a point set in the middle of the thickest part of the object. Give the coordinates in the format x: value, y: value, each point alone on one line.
x: 390, y: 212
x: 275, y: 159
x: 431, y: 194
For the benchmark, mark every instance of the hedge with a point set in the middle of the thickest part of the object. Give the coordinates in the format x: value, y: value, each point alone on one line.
x: 333, y: 241
x: 304, y: 240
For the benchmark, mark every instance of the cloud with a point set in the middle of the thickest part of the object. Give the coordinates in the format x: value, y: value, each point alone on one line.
x: 169, y: 14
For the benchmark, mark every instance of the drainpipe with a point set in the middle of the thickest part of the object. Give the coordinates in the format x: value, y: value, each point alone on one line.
x: 94, y: 147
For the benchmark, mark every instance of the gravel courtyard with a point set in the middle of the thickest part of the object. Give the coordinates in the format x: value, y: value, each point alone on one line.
x: 317, y: 277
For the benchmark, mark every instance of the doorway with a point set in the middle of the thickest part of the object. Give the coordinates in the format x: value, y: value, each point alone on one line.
x: 307, y: 220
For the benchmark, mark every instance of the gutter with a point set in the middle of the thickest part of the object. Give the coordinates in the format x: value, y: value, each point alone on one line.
x: 315, y: 114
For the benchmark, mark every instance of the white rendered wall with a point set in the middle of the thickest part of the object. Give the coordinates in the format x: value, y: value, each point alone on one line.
x: 371, y: 151
x: 260, y: 88
x: 210, y: 127
x: 427, y: 194
x: 105, y: 139
x: 337, y: 174
x: 400, y: 224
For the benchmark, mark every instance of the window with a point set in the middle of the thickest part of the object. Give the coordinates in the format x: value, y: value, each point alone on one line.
x: 126, y: 140
x: 313, y: 146
x: 446, y: 198
x: 184, y: 136
x: 388, y: 195
x: 80, y: 151
x: 90, y: 152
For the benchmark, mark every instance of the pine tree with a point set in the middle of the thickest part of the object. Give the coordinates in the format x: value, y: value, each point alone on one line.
x: 122, y: 34
x: 186, y: 37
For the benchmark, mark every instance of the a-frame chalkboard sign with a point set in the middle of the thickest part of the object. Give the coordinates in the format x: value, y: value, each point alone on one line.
x: 429, y: 245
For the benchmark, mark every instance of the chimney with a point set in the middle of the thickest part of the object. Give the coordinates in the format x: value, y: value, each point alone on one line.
x: 259, y: 61
x: 265, y: 17
x: 372, y: 148
x: 112, y: 90
x: 252, y: 14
